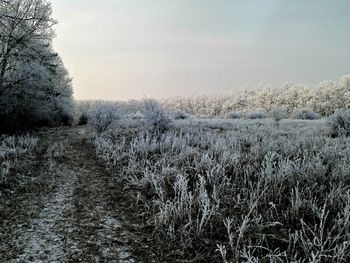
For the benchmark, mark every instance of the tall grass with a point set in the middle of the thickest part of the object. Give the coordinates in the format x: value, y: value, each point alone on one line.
x: 224, y: 190
x: 13, y: 153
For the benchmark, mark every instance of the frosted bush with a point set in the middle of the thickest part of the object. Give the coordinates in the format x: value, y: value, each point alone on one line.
x: 233, y: 115
x: 102, y: 116
x: 305, y: 114
x: 155, y: 115
x: 136, y: 116
x: 339, y: 122
x: 256, y: 115
x: 278, y: 113
x: 180, y: 115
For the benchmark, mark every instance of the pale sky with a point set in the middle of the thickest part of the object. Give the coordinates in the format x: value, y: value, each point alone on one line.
x: 124, y: 49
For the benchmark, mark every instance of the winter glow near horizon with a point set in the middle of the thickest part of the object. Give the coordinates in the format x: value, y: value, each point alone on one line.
x: 124, y: 49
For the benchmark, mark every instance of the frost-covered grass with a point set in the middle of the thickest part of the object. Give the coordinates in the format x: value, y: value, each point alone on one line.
x: 223, y: 190
x: 14, y: 150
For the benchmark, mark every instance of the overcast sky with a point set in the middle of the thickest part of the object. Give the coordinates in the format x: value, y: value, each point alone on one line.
x: 123, y: 49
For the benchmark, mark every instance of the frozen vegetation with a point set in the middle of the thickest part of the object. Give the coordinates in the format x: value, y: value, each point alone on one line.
x: 35, y: 87
x: 258, y: 175
x: 15, y: 153
x: 297, y: 99
x: 250, y: 186
x: 224, y: 190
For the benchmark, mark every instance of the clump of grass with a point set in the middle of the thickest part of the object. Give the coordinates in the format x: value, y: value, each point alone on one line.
x: 14, y: 150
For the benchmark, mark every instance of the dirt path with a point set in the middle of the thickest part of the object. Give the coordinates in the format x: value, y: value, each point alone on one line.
x: 76, y: 221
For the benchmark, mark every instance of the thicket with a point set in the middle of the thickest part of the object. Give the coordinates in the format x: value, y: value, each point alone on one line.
x: 35, y: 87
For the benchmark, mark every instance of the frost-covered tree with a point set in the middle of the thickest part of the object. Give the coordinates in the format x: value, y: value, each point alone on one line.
x: 26, y: 32
x: 35, y: 87
x: 323, y: 99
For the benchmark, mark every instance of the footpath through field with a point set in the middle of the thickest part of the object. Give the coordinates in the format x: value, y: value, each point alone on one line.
x: 77, y: 220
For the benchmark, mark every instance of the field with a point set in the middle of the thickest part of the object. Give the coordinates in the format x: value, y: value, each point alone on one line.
x: 158, y: 187
x: 237, y: 190
x: 186, y: 161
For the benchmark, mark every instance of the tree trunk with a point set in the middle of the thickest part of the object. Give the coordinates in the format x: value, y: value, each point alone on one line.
x: 3, y: 66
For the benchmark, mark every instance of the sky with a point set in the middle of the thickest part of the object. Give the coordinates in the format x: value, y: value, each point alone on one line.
x: 129, y: 49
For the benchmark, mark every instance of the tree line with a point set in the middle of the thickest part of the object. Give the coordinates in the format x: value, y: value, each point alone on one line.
x: 323, y: 99
x: 35, y: 87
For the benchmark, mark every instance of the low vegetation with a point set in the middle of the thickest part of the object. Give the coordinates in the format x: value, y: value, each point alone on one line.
x: 340, y: 123
x: 101, y: 116
x: 224, y: 190
x: 16, y: 153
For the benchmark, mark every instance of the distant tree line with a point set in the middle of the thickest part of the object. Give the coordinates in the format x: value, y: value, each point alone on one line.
x: 35, y: 87
x: 323, y: 99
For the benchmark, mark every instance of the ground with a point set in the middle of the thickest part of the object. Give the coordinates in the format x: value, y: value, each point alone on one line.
x: 77, y: 211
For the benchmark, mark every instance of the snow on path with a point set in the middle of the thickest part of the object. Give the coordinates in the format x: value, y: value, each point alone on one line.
x: 44, y: 242
x: 76, y: 223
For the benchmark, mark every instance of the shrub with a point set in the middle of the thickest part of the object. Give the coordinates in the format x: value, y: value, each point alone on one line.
x: 256, y: 115
x: 155, y: 115
x: 339, y: 122
x: 136, y: 116
x: 66, y: 119
x: 305, y: 114
x: 278, y: 113
x: 180, y: 115
x: 83, y: 119
x: 233, y: 115
x: 102, y: 116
